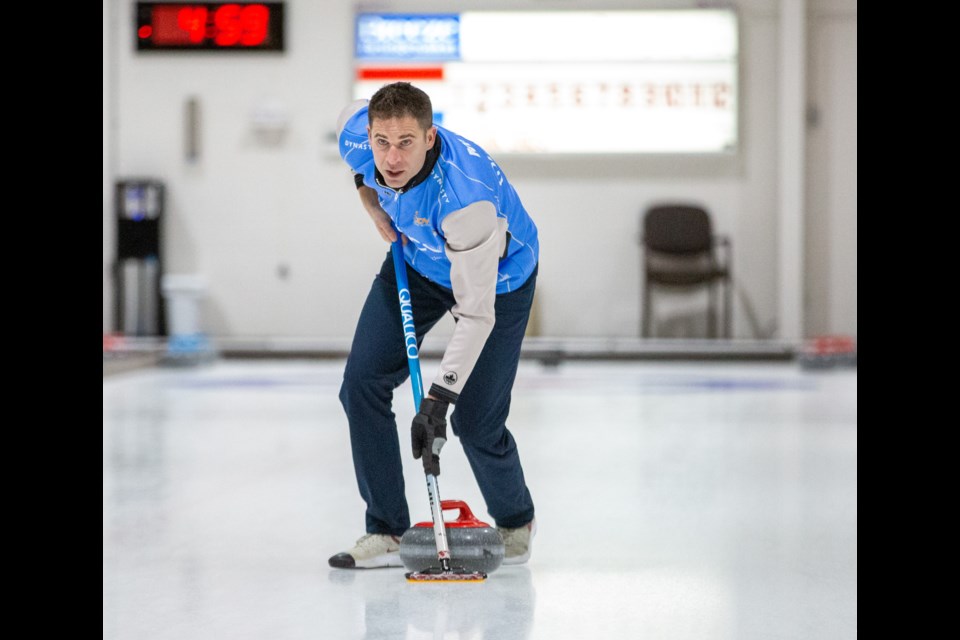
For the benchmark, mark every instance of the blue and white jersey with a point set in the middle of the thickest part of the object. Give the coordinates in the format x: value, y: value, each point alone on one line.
x: 462, y: 175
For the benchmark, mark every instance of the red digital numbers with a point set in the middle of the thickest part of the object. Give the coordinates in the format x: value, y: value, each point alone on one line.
x: 227, y: 23
x: 193, y: 20
x: 246, y: 26
x: 208, y: 25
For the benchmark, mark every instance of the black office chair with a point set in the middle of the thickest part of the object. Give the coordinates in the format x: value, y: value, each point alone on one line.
x: 680, y: 251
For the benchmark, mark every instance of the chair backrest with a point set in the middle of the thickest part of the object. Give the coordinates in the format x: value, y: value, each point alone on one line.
x: 677, y: 229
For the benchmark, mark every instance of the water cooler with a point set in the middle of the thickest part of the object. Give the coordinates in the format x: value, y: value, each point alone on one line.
x: 139, y: 308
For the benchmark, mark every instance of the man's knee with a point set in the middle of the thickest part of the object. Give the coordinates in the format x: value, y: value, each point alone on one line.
x: 363, y: 388
x: 485, y: 432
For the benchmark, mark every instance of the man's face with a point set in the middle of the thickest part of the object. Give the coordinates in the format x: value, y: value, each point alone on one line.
x: 400, y: 148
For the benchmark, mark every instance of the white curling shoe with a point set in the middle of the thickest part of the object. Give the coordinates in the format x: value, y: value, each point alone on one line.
x: 518, y: 543
x: 372, y: 551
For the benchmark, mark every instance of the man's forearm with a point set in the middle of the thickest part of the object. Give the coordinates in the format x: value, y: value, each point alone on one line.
x: 369, y: 199
x: 381, y: 219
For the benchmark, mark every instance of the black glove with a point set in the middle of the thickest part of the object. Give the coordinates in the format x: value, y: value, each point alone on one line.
x: 429, y: 433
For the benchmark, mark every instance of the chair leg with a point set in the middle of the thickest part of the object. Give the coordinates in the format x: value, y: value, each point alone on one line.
x: 647, y: 311
x: 711, y: 311
x: 727, y: 310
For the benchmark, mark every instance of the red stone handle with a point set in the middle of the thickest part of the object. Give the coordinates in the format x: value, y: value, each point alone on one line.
x: 465, y: 518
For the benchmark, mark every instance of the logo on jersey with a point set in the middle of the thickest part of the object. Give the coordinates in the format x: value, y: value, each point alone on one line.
x: 363, y: 146
x: 450, y: 378
x: 470, y: 149
x: 439, y: 180
x: 420, y: 222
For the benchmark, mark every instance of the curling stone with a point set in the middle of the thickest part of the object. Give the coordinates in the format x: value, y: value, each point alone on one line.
x: 474, y: 545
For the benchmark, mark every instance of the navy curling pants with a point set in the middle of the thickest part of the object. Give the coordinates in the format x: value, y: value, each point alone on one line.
x: 377, y: 365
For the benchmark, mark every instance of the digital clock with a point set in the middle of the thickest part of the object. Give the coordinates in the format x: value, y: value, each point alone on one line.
x: 209, y: 26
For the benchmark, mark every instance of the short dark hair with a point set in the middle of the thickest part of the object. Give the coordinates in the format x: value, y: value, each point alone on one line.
x: 399, y: 100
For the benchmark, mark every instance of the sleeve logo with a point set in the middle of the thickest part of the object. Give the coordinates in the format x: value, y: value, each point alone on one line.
x: 450, y: 378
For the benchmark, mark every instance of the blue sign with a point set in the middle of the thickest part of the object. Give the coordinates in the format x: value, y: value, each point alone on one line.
x: 408, y: 37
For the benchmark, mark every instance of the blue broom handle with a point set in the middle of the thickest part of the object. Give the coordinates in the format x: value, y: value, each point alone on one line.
x: 416, y: 381
x: 409, y: 328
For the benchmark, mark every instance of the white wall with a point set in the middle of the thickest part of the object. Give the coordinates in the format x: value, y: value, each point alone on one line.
x: 249, y: 212
x: 831, y: 255
x: 108, y: 172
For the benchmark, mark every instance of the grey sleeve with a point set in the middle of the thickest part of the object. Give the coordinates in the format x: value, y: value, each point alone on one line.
x: 475, y: 239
